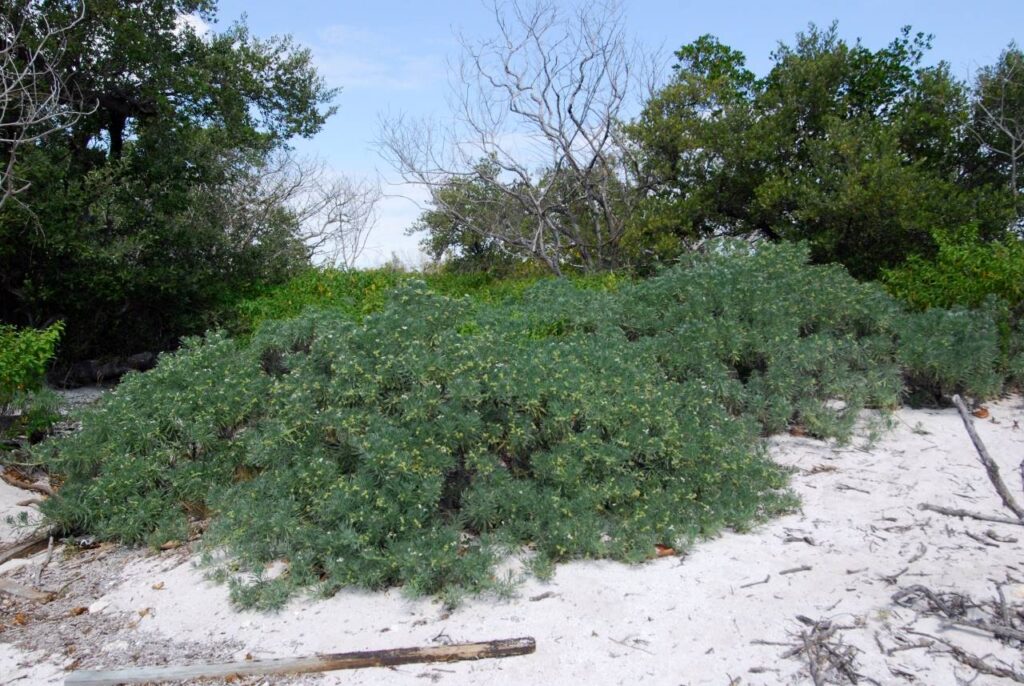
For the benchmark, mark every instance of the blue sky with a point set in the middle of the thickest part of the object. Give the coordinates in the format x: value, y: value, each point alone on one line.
x: 390, y: 56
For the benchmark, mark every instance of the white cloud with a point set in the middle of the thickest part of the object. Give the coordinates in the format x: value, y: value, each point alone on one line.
x: 356, y: 58
x: 192, y: 21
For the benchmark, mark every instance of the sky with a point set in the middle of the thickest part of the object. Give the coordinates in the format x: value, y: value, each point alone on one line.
x: 391, y: 57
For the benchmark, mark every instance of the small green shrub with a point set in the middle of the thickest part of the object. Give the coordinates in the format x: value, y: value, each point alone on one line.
x: 25, y: 407
x: 969, y: 336
x: 951, y: 351
x: 24, y: 354
x: 355, y: 294
x: 965, y: 272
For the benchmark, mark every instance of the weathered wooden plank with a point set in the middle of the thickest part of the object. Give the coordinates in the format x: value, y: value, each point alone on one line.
x: 300, y: 665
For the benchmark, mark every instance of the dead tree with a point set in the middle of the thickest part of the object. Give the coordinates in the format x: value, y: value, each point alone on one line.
x: 331, y: 214
x: 536, y: 112
x: 35, y: 99
x: 998, y: 120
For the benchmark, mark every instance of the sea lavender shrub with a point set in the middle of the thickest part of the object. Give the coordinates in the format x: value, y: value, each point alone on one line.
x: 952, y: 351
x: 421, y: 443
x: 770, y: 336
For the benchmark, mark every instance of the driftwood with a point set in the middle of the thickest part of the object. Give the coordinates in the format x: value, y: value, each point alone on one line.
x: 15, y: 480
x: 10, y: 588
x: 992, y: 469
x: 990, y: 465
x: 27, y: 547
x: 301, y: 665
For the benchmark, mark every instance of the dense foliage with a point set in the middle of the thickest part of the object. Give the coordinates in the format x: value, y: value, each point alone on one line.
x: 129, y: 229
x: 965, y: 271
x: 24, y: 355
x: 357, y: 293
x: 419, y: 444
x: 863, y: 153
x: 866, y: 154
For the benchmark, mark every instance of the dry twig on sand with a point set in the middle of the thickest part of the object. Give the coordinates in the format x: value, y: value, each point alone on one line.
x: 992, y: 469
x: 304, y: 665
x: 956, y: 609
x: 828, y: 659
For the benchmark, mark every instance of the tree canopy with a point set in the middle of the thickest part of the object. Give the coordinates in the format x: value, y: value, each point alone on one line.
x: 863, y: 153
x: 120, y: 230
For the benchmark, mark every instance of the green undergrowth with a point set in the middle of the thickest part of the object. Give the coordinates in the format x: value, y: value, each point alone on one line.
x: 353, y: 294
x: 421, y: 442
x: 26, y: 408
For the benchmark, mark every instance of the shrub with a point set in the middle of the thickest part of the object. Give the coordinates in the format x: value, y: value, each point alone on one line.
x: 965, y: 272
x: 422, y: 442
x: 26, y: 408
x: 951, y: 351
x: 414, y: 445
x: 24, y: 354
x: 352, y: 293
x: 978, y: 343
x: 355, y: 294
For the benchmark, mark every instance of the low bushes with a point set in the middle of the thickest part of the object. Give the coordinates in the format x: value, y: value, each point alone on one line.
x: 421, y: 443
x: 24, y: 354
x: 355, y: 294
x: 968, y: 334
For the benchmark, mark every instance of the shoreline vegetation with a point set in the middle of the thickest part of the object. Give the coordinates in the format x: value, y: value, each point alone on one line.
x: 413, y: 442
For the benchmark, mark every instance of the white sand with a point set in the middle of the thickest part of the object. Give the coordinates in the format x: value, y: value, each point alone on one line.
x: 674, y: 620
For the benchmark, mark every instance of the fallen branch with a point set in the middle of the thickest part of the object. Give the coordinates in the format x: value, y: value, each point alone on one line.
x: 10, y: 588
x: 304, y: 665
x: 810, y: 649
x: 36, y: 486
x: 974, y: 661
x: 893, y: 578
x: 956, y: 512
x: 983, y: 667
x: 990, y: 465
x: 994, y: 629
x: 794, y: 570
x: 905, y: 596
x: 757, y: 583
x: 27, y: 547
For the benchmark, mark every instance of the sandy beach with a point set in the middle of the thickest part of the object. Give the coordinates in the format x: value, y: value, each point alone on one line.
x: 731, y: 610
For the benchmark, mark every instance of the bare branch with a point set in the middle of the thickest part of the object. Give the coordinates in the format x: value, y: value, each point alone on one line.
x: 536, y: 111
x: 330, y: 214
x: 998, y: 122
x: 35, y: 99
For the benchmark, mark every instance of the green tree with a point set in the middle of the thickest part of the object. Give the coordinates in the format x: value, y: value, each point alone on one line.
x: 860, y: 152
x: 696, y: 157
x: 462, y: 226
x: 121, y: 229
